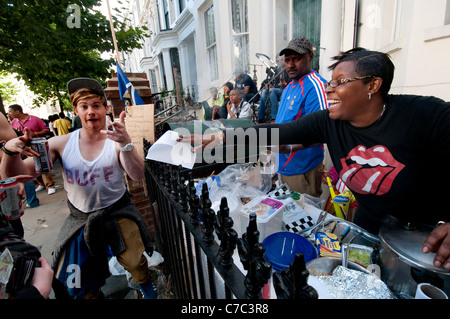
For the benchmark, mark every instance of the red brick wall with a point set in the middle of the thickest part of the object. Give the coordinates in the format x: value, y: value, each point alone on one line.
x: 141, y: 201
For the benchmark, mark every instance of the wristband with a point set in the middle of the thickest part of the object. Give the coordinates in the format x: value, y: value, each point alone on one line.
x: 8, y: 152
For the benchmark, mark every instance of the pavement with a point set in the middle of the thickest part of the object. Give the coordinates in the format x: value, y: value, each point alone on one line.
x: 43, y: 223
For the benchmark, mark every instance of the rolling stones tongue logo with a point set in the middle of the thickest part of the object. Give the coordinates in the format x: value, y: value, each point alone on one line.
x: 370, y: 171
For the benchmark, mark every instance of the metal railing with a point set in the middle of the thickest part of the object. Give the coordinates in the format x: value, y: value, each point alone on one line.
x: 203, y: 255
x: 197, y: 244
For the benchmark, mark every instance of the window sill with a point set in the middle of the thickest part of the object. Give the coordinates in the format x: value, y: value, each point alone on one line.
x: 437, y: 33
x: 392, y: 47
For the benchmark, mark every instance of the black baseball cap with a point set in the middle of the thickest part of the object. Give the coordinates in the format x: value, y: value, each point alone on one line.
x: 85, y: 83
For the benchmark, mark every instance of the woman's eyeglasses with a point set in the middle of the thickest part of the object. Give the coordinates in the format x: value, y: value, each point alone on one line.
x: 336, y: 83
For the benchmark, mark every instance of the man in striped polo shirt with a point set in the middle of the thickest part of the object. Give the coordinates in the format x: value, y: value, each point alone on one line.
x: 298, y: 167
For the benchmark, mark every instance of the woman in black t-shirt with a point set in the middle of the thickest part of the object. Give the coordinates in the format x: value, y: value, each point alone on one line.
x: 384, y: 147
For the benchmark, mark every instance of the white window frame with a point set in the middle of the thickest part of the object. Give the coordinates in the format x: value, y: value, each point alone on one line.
x: 241, y: 46
x: 447, y: 13
x: 211, y: 43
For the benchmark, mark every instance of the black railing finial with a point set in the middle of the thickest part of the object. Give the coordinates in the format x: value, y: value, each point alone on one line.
x: 251, y: 253
x: 193, y: 200
x: 292, y: 282
x: 207, y: 214
x: 183, y: 191
x: 227, y: 235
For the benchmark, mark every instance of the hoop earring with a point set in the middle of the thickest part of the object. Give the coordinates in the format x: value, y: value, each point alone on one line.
x: 370, y: 96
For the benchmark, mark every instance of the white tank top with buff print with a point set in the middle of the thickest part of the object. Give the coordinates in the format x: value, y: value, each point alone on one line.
x: 92, y: 185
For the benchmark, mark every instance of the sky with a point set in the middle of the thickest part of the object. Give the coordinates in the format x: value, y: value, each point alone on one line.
x: 104, y: 10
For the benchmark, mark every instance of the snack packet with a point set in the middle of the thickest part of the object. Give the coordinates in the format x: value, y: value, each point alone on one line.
x: 328, y: 245
x: 344, y: 200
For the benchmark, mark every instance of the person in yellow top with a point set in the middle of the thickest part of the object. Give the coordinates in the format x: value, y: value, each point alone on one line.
x: 62, y: 124
x: 217, y: 101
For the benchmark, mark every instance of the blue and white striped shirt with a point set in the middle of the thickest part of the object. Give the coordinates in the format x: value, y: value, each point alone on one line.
x: 298, y: 99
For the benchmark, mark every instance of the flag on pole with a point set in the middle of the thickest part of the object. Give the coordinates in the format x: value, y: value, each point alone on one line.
x: 126, y: 89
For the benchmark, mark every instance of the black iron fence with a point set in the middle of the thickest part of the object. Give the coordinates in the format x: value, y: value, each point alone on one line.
x: 197, y: 244
x: 203, y: 255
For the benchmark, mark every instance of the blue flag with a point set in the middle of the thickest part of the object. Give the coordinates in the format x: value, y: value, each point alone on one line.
x: 126, y: 89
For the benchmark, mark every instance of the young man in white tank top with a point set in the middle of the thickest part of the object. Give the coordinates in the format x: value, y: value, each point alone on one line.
x: 94, y: 160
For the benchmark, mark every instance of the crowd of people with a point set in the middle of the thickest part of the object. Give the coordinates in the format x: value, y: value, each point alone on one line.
x: 222, y: 107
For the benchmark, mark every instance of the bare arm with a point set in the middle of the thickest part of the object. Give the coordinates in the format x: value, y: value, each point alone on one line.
x: 214, y: 111
x: 290, y: 148
x: 131, y: 162
x: 12, y: 164
x: 229, y: 104
x: 44, y: 130
x: 6, y: 131
x: 41, y: 133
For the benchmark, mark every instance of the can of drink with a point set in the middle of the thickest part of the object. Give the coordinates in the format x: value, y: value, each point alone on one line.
x: 10, y: 201
x: 42, y: 164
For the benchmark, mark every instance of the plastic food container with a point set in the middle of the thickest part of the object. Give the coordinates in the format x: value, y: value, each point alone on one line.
x: 324, y: 266
x: 269, y: 214
x: 282, y: 247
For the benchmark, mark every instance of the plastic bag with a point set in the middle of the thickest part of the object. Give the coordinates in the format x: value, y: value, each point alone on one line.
x: 246, y: 179
x: 313, y: 201
x: 157, y: 276
x: 236, y: 182
x: 234, y: 204
x: 211, y: 182
x: 117, y: 269
x: 162, y: 283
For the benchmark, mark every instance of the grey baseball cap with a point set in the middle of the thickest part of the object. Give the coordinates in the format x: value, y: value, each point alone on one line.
x: 82, y: 83
x: 299, y: 45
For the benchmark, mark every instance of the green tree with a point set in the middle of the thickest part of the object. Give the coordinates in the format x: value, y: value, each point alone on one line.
x: 49, y: 42
x: 8, y: 90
